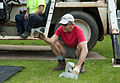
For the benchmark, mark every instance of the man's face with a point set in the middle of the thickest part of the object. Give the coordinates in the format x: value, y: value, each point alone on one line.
x: 67, y: 27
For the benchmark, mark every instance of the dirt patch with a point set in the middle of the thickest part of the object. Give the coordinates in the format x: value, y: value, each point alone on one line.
x: 94, y: 55
x: 44, y: 55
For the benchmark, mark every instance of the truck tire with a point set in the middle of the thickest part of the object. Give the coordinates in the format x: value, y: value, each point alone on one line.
x: 87, y: 24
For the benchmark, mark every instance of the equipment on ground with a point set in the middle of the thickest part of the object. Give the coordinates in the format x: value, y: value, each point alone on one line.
x: 7, y: 71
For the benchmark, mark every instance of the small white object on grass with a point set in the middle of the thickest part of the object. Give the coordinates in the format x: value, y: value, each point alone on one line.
x: 68, y: 71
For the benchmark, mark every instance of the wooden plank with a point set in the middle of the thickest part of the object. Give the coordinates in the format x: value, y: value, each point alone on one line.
x: 23, y: 4
x: 24, y: 48
x: 81, y: 4
x: 17, y: 38
x: 10, y: 24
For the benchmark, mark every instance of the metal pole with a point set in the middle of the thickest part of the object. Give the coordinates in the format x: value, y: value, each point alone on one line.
x: 116, y: 49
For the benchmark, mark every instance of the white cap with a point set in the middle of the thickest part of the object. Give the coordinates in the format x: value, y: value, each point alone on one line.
x: 66, y: 18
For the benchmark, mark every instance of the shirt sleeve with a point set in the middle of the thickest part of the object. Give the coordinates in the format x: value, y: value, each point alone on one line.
x: 80, y: 35
x: 58, y: 31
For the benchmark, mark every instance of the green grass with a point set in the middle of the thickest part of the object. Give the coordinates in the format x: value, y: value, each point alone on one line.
x: 40, y: 71
x: 23, y: 42
x: 104, y: 47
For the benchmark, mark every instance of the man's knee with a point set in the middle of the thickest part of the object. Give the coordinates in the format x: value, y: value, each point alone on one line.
x: 52, y: 45
x: 19, y: 17
x: 35, y: 18
x: 32, y: 17
x: 57, y: 43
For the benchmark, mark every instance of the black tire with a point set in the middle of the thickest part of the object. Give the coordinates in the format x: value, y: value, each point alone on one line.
x: 90, y: 27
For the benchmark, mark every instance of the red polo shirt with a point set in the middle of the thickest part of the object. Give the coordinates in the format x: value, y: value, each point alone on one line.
x: 71, y: 39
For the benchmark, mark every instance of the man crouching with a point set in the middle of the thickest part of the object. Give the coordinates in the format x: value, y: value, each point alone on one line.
x: 73, y: 44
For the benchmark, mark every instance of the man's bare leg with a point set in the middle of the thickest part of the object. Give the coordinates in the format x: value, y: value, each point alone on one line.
x: 59, y: 52
x: 78, y: 51
x: 58, y: 49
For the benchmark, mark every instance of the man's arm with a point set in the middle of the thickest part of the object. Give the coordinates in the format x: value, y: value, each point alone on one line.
x: 40, y: 10
x: 26, y: 14
x: 41, y: 35
x: 51, y: 40
x: 84, y: 51
x: 81, y: 51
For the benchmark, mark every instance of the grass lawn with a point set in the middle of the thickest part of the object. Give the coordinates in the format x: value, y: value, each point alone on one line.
x: 40, y: 71
x: 23, y: 42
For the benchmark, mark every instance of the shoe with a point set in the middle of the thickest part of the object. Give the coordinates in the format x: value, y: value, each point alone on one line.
x: 82, y: 70
x: 60, y: 66
x: 25, y: 34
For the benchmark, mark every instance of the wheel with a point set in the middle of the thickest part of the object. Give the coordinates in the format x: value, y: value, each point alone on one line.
x: 87, y: 24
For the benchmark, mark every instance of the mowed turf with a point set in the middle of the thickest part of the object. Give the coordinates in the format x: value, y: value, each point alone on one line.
x: 23, y: 42
x: 40, y: 71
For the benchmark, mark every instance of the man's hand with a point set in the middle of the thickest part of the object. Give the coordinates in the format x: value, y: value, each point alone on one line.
x: 40, y: 11
x: 26, y: 16
x: 76, y: 70
x: 39, y: 34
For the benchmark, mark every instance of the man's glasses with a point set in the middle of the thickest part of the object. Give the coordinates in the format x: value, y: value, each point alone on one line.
x: 64, y: 24
x: 67, y: 24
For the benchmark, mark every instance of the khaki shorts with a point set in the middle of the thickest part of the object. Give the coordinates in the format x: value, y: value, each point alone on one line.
x: 70, y: 52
